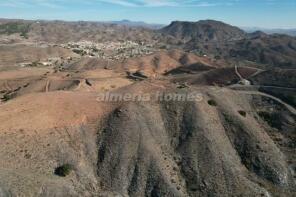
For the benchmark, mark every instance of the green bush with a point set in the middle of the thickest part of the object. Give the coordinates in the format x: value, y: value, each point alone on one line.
x: 217, y: 57
x: 79, y: 51
x: 63, y: 170
x: 212, y: 102
x: 242, y: 113
x: 34, y: 64
x: 6, y: 97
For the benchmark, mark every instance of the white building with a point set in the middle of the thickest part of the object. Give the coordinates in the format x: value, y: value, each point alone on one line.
x: 244, y: 82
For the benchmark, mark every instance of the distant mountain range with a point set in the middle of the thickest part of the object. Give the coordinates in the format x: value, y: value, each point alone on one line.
x: 290, y: 32
x: 137, y: 24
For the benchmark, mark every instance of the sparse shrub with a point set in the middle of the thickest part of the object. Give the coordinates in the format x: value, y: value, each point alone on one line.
x: 34, y: 64
x: 113, y: 86
x: 24, y: 34
x: 181, y: 86
x: 63, y: 170
x: 217, y: 57
x: 95, y: 49
x: 79, y: 51
x: 6, y: 97
x: 26, y: 85
x: 242, y: 113
x: 212, y: 102
x: 88, y: 82
x: 28, y: 156
x: 15, y: 27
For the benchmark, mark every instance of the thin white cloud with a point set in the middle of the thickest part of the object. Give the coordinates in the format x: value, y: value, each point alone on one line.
x: 160, y: 3
x: 133, y: 3
x: 120, y: 2
x: 125, y: 3
x: 30, y: 3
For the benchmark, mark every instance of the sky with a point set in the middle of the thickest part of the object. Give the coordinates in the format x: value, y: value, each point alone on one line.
x: 242, y: 13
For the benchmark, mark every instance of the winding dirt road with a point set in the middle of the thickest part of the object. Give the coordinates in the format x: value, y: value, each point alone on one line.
x: 289, y: 107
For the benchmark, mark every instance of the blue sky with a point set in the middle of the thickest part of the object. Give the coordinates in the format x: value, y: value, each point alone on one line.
x: 251, y: 13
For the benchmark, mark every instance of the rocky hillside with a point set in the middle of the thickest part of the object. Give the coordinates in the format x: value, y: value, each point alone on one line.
x: 219, y: 146
x: 203, y: 31
x: 270, y: 51
x: 223, y: 41
x: 63, y: 32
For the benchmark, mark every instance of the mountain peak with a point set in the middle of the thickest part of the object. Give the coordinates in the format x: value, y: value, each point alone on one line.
x: 203, y: 30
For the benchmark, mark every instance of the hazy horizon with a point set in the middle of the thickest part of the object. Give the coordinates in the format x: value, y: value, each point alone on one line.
x: 270, y: 14
x: 164, y: 24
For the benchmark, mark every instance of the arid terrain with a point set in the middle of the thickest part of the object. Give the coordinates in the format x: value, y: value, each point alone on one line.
x: 59, y: 139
